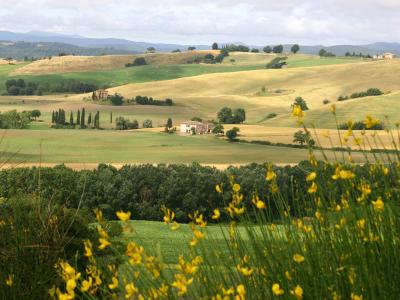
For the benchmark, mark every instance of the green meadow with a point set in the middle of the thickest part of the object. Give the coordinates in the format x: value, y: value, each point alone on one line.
x: 92, y: 146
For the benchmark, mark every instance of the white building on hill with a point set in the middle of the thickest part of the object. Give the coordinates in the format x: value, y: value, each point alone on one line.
x: 190, y: 127
x: 385, y: 56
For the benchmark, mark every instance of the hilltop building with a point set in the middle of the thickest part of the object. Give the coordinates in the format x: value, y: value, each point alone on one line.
x: 190, y: 127
x: 101, y: 94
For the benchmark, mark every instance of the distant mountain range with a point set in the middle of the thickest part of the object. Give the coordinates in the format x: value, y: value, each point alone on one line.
x: 38, y: 44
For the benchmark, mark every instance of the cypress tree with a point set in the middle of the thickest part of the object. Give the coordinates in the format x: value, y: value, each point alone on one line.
x: 89, y: 119
x: 83, y: 118
x: 59, y: 119
x: 56, y: 117
x: 71, y: 118
x: 98, y: 120
x: 111, y: 117
x: 53, y: 117
x: 78, y: 118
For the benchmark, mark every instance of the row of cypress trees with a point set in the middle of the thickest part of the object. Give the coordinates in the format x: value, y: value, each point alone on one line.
x: 58, y: 118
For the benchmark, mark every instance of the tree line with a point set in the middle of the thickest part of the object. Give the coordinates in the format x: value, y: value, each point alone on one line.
x: 143, y: 189
x: 277, y: 49
x: 15, y: 87
x: 58, y: 119
x: 118, y: 100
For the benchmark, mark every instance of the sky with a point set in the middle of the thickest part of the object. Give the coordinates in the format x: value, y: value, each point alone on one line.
x: 254, y: 22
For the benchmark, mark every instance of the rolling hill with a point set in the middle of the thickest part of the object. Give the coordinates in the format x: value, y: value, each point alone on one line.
x: 65, y: 64
x: 114, y: 44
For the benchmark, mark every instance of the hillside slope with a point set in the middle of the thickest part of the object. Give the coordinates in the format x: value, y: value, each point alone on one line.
x: 208, y: 93
x: 64, y: 64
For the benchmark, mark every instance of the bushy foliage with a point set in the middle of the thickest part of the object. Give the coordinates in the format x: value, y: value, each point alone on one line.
x: 360, y: 125
x: 122, y: 123
x: 368, y: 93
x: 116, y: 99
x: 277, y: 49
x: 138, y: 61
x: 228, y: 116
x: 276, y: 63
x: 236, y: 48
x: 300, y: 102
x: 144, y: 100
x: 324, y: 53
x: 15, y: 120
x: 231, y: 134
x: 148, y: 123
x: 34, y: 235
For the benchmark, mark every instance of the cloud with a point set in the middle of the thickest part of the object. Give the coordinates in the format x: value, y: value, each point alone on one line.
x: 192, y: 21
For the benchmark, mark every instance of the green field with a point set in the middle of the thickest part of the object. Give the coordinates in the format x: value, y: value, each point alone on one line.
x: 199, y: 90
x: 92, y: 146
x: 127, y: 75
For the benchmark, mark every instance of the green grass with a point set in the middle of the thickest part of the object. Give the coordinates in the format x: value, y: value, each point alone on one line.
x: 313, y: 61
x: 93, y: 146
x: 130, y: 75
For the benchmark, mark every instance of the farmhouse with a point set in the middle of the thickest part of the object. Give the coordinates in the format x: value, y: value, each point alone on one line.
x: 385, y: 56
x: 196, y: 127
x: 101, y: 94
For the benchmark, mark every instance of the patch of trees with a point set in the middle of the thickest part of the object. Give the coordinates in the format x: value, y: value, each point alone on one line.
x: 360, y: 125
x: 367, y: 93
x: 235, y: 48
x: 15, y: 120
x: 17, y: 87
x: 144, y: 100
x: 143, y: 189
x: 122, y: 123
x: 324, y: 53
x: 276, y: 63
x: 59, y: 120
x: 118, y: 100
x: 348, y: 54
x: 275, y: 49
x: 138, y: 61
x: 228, y: 116
x: 209, y: 58
x: 267, y: 49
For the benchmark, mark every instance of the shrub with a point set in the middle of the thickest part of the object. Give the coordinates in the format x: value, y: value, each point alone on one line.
x: 34, y: 236
x: 326, y: 101
x: 232, y: 134
x: 147, y: 124
x: 276, y: 63
x: 139, y: 61
x: 116, y: 99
